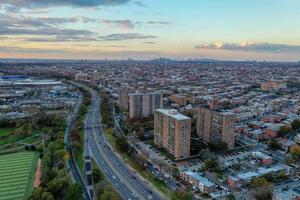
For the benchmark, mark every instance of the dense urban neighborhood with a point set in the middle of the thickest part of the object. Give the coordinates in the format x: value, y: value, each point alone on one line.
x: 158, y: 129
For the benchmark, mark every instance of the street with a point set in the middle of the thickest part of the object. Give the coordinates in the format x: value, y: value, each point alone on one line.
x: 125, y: 181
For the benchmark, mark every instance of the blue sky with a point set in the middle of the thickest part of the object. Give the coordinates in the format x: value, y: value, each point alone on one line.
x: 118, y: 29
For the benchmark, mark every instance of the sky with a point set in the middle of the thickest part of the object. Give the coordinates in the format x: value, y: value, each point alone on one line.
x: 145, y: 29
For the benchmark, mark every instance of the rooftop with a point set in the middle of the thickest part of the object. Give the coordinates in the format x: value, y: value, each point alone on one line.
x: 173, y: 114
x: 201, y: 179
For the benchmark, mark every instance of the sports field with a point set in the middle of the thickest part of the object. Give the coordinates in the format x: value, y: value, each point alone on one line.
x: 17, y: 175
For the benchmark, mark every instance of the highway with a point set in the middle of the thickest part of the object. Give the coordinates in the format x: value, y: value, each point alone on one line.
x: 125, y: 181
x: 71, y: 162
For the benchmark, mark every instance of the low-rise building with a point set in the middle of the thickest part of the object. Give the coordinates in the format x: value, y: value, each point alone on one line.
x: 178, y: 99
x: 273, y: 85
x: 200, y: 182
x: 291, y: 194
x: 243, y: 178
x: 263, y: 158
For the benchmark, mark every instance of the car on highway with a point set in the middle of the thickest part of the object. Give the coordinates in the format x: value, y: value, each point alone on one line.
x: 134, y: 194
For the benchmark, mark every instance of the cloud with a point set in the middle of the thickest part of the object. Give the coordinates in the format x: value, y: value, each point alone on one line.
x: 51, y: 27
x: 61, y: 38
x: 124, y: 24
x: 8, y: 49
x: 114, y: 46
x: 256, y: 47
x: 13, y: 20
x: 126, y: 36
x: 139, y: 3
x: 149, y: 42
x: 54, y: 3
x: 159, y: 22
x: 44, y: 31
x: 38, y: 11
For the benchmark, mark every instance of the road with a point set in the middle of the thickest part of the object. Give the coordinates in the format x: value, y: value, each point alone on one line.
x: 72, y: 163
x: 126, y: 182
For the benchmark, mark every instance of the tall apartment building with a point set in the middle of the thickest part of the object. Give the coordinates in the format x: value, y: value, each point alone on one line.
x: 84, y: 77
x: 172, y: 131
x: 123, y: 98
x: 215, y: 127
x: 144, y: 104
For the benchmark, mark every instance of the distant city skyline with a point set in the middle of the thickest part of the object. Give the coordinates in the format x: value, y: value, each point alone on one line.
x: 146, y: 29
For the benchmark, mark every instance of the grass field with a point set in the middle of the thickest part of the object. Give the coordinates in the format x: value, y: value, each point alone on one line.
x: 7, y: 138
x: 17, y: 175
x: 4, y: 132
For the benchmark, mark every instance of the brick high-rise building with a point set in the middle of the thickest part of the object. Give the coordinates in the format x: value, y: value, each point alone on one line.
x: 144, y: 104
x: 215, y: 127
x: 172, y: 131
x: 123, y: 99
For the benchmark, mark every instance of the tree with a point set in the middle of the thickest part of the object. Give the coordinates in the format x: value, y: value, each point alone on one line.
x: 175, y: 172
x: 97, y: 175
x: 122, y: 144
x: 57, y: 185
x: 230, y: 197
x: 264, y: 193
x: 262, y: 189
x: 222, y: 146
x: 109, y: 194
x: 284, y: 130
x: 258, y: 182
x: 295, y: 151
x: 140, y: 135
x: 273, y: 144
x: 74, y: 192
x: 289, y: 160
x: 182, y: 195
x: 211, y: 164
x: 295, y: 124
x: 40, y: 194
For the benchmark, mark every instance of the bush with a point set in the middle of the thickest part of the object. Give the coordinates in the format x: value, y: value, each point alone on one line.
x: 296, y: 124
x: 284, y: 130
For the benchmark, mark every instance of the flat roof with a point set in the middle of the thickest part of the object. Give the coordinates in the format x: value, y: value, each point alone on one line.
x: 173, y: 114
x: 201, y: 179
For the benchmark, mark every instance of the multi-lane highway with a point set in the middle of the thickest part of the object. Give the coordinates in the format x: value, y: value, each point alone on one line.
x: 71, y: 162
x: 126, y: 182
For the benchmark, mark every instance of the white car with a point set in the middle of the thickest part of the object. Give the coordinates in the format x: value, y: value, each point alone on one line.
x: 134, y: 194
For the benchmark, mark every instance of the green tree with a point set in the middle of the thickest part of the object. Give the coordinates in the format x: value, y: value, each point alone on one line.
x: 263, y: 193
x: 296, y: 124
x: 283, y: 130
x: 56, y: 186
x: 258, y: 182
x: 211, y: 164
x: 273, y: 144
x: 97, y: 175
x: 74, y: 192
x: 295, y: 151
x: 109, y: 194
x: 222, y: 146
x: 182, y: 195
x: 261, y: 188
x: 40, y: 194
x: 122, y: 144
x: 230, y: 197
